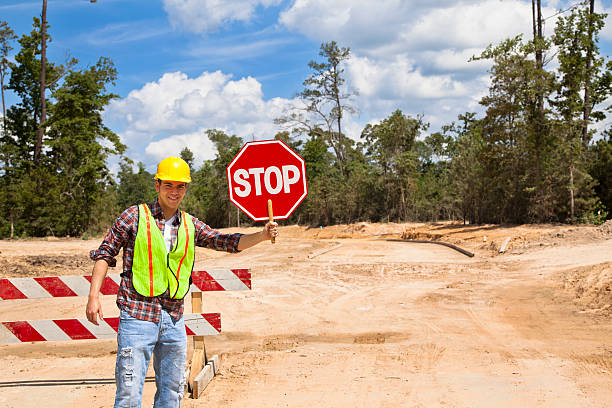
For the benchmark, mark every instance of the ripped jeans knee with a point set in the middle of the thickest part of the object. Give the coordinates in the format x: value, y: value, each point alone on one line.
x: 182, y: 385
x: 126, y: 364
x: 130, y: 372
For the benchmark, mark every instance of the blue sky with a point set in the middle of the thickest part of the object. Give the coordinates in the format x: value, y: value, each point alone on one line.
x: 190, y: 65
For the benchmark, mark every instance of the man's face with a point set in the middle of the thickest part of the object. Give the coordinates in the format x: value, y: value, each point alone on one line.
x: 170, y: 193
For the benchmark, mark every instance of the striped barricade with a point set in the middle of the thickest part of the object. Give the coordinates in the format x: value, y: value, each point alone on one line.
x: 197, y: 324
x: 65, y: 286
x: 204, y: 324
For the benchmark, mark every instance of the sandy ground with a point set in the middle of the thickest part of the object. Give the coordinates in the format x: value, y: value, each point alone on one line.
x: 371, y: 323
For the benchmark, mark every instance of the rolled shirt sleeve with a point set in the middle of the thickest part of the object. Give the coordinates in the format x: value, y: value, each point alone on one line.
x: 116, y: 237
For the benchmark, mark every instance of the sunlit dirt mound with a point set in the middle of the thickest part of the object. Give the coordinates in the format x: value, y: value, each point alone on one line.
x: 44, y: 265
x: 592, y: 287
x: 606, y: 227
x: 414, y: 234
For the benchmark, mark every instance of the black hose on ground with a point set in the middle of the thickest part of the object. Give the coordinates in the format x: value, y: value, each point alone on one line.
x: 455, y: 247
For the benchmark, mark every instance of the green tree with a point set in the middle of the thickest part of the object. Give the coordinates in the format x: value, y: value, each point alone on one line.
x: 601, y: 171
x: 79, y: 144
x: 134, y: 188
x: 467, y: 177
x: 7, y: 202
x: 7, y: 36
x: 18, y: 139
x: 584, y: 82
x: 326, y: 101
x: 390, y: 146
x: 314, y: 209
x: 23, y: 118
x: 289, y: 139
x: 505, y: 127
x: 187, y: 155
x: 434, y: 198
x: 518, y: 155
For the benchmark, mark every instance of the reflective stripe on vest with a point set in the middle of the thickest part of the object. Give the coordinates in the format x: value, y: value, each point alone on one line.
x: 155, y: 270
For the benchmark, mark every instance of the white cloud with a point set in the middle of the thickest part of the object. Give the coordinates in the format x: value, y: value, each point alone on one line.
x: 400, y: 78
x: 449, y: 60
x: 606, y: 32
x: 401, y: 26
x: 385, y: 86
x: 203, y: 16
x: 165, y: 116
x: 197, y: 142
x: 468, y: 26
x: 344, y: 20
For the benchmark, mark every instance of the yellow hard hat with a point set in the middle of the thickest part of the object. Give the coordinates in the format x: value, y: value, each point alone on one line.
x: 173, y: 169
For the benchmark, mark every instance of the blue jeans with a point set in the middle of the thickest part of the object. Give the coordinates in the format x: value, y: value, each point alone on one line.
x: 137, y: 341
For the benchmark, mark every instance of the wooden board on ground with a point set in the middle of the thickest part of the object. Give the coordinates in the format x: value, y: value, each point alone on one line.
x: 205, y: 376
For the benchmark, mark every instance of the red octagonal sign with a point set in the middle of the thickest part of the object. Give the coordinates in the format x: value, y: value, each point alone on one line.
x: 267, y: 170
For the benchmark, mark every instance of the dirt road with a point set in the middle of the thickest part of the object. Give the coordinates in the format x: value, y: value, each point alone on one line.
x: 371, y: 323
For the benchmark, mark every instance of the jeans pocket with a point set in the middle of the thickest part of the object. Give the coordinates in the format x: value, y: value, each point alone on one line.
x: 131, y: 326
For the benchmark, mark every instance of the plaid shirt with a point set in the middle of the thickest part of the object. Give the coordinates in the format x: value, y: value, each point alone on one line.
x: 123, y: 235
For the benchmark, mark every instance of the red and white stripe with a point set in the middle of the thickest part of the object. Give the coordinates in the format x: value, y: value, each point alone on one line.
x: 221, y: 279
x: 204, y: 324
x: 64, y: 286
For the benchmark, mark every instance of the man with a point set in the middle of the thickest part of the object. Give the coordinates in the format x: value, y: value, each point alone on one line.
x: 158, y: 244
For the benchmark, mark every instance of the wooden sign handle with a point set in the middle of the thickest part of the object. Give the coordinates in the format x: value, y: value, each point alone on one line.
x: 271, y: 218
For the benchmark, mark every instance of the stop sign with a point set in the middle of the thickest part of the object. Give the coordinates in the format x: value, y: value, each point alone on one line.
x: 267, y: 170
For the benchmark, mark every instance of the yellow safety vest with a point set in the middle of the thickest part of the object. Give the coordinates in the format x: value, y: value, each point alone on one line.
x: 154, y: 270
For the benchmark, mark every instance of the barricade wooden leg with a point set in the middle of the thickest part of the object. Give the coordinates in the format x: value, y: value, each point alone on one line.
x: 198, y: 360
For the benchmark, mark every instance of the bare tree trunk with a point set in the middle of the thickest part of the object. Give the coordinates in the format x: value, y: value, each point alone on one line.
x: 587, y: 78
x: 43, y: 69
x: 340, y: 137
x: 12, y: 227
x: 3, y: 103
x: 536, y: 9
x: 533, y: 18
x: 536, y: 19
x: 402, y: 211
x: 572, y: 192
x: 237, y: 217
x: 6, y: 157
x: 538, y: 49
x: 339, y: 120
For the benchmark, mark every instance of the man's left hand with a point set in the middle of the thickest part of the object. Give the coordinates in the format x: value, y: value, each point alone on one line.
x: 270, y: 230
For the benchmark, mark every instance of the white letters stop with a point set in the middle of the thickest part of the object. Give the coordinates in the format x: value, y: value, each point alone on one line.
x: 285, y: 177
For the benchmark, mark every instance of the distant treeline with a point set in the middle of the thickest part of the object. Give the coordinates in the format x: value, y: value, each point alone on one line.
x: 534, y: 155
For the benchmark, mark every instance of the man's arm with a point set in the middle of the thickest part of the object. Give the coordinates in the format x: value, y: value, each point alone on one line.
x: 246, y: 241
x: 209, y: 238
x: 104, y: 256
x: 94, y: 308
